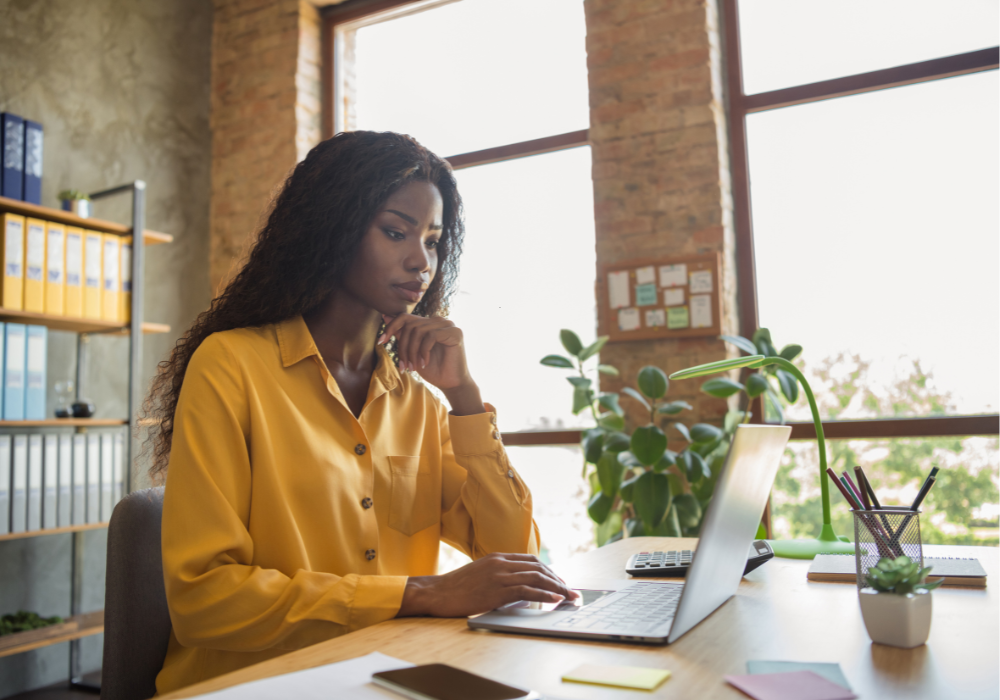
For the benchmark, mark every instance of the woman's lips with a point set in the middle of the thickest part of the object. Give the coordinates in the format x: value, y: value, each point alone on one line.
x: 410, y: 295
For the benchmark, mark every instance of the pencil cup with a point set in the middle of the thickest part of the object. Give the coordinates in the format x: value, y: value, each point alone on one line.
x: 885, y: 533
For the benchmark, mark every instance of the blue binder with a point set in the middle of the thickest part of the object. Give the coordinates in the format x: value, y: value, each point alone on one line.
x: 15, y: 352
x: 34, y: 398
x: 12, y: 145
x: 32, y: 162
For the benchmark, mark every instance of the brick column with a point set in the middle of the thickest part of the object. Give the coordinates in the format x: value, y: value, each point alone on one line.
x: 265, y: 114
x: 660, y: 162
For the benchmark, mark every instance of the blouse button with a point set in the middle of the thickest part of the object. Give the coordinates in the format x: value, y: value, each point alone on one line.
x: 510, y: 473
x: 493, y: 419
x: 370, y: 554
x: 360, y: 449
x: 496, y: 434
x: 366, y: 503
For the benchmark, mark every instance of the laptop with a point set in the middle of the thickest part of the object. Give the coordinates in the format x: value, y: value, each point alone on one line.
x: 660, y: 612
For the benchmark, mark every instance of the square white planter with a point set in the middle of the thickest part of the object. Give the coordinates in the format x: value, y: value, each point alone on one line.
x: 897, y: 620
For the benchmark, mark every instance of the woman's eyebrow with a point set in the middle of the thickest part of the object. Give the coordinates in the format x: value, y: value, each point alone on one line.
x: 413, y: 222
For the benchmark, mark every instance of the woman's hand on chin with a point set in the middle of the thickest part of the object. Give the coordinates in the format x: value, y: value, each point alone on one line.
x: 484, y: 585
x: 435, y: 349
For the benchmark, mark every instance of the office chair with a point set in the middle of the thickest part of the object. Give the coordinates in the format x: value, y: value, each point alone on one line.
x: 136, y: 619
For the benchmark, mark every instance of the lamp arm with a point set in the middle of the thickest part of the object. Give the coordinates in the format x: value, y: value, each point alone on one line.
x: 820, y: 437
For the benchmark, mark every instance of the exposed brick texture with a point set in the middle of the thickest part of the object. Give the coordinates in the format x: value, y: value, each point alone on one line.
x: 265, y: 114
x: 660, y: 164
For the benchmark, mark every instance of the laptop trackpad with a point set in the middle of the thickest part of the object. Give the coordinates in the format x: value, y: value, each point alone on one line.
x: 524, y: 607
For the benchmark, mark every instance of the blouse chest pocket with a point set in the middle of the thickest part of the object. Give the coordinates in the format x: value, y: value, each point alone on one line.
x: 415, y: 503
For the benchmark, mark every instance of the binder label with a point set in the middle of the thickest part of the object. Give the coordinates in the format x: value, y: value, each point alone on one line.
x: 74, y: 259
x: 55, y: 255
x: 15, y: 360
x: 111, y: 266
x: 36, y: 360
x: 33, y: 152
x: 93, y: 258
x: 13, y: 151
x: 36, y: 252
x: 13, y: 248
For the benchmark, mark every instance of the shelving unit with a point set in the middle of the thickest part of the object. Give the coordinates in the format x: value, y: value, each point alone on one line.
x: 81, y: 624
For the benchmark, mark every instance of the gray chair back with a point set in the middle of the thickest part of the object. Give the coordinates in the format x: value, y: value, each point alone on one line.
x: 136, y: 619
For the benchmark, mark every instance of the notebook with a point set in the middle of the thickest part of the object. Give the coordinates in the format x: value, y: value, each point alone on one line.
x: 841, y: 568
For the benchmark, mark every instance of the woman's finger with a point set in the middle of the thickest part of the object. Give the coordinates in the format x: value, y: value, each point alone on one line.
x: 539, y: 568
x: 512, y: 594
x: 536, y: 579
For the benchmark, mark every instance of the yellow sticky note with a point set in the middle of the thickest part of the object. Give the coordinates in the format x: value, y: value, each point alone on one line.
x: 619, y: 676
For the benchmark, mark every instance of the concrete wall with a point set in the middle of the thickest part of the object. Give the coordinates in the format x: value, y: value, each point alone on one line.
x: 122, y: 89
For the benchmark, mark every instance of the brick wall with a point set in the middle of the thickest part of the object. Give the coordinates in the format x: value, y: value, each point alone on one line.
x: 660, y: 162
x: 265, y: 114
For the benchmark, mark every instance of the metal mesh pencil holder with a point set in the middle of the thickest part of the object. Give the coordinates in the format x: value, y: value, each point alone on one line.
x: 884, y: 533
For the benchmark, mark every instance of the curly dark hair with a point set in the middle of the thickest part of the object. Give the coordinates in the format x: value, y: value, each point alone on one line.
x: 315, y: 226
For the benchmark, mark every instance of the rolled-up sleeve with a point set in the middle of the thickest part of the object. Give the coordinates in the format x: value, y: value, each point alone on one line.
x: 486, y: 505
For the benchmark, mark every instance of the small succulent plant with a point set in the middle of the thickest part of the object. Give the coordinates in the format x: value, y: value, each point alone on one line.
x: 900, y: 576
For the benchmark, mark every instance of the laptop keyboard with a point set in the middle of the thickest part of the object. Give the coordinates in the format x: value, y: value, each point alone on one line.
x: 642, y: 607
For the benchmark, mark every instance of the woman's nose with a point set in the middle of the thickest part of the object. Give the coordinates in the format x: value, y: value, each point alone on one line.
x: 419, y: 258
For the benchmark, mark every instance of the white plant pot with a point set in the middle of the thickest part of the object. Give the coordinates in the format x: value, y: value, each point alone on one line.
x: 897, y: 620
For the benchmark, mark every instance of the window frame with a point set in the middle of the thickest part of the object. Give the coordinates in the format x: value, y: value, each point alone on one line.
x: 738, y: 107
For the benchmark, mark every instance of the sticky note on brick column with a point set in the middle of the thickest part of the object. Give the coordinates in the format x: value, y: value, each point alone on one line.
x: 632, y: 677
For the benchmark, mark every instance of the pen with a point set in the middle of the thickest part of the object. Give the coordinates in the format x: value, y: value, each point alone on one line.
x: 854, y: 490
x: 882, y: 540
x: 923, y: 492
x: 859, y: 474
x: 840, y: 486
x: 866, y: 489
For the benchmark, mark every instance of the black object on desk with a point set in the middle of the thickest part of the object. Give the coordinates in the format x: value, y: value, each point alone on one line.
x: 677, y: 563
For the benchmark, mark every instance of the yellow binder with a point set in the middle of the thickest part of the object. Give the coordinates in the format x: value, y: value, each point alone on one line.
x: 74, y: 272
x: 12, y: 293
x: 125, y: 298
x: 112, y: 282
x: 34, y: 266
x: 93, y: 244
x: 55, y: 274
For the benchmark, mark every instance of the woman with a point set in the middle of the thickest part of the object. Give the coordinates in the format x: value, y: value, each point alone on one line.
x: 310, y: 476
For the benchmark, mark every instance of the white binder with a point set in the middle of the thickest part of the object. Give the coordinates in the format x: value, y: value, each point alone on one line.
x: 34, y: 482
x: 50, y: 480
x: 65, y: 508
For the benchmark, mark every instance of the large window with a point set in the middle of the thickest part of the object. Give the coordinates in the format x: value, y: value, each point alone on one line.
x: 500, y: 89
x: 865, y: 179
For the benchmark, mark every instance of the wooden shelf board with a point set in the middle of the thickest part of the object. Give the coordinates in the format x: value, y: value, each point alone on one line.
x: 74, y: 628
x: 75, y: 325
x: 63, y: 423
x: 51, y: 531
x: 70, y: 219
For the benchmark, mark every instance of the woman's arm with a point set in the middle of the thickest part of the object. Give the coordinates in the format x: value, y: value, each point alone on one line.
x: 218, y: 598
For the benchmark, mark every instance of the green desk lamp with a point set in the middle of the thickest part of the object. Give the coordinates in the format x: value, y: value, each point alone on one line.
x: 827, y: 542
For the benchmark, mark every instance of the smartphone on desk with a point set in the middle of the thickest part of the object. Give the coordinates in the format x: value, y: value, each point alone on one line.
x: 444, y: 682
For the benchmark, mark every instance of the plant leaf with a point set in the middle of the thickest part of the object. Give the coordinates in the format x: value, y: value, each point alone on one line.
x: 674, y: 407
x: 599, y: 507
x: 720, y: 366
x: 688, y: 510
x: 721, y: 387
x: 648, y: 444
x: 582, y: 398
x: 756, y: 385
x: 610, y: 402
x: 762, y: 340
x: 593, y: 446
x: 789, y: 385
x: 593, y: 348
x: 682, y: 429
x: 610, y: 530
x: 670, y: 527
x: 609, y: 473
x: 703, y: 432
x: 668, y: 460
x: 608, y: 369
x: 557, y: 361
x: 633, y: 526
x: 772, y: 399
x: 626, y: 489
x: 579, y: 382
x: 571, y: 341
x: 652, y: 382
x: 790, y: 352
x: 616, y: 442
x: 636, y: 395
x: 651, y: 498
x: 628, y: 460
x: 742, y: 343
x: 609, y: 421
x: 733, y: 419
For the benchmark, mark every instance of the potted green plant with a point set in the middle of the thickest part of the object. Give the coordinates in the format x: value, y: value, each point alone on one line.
x: 896, y: 603
x: 76, y: 202
x: 774, y: 363
x: 638, y: 485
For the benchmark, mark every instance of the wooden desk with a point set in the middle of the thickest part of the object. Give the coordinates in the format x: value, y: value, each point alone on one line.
x: 776, y: 615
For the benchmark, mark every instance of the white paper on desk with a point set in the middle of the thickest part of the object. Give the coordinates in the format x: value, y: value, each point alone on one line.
x: 345, y: 679
x: 618, y: 294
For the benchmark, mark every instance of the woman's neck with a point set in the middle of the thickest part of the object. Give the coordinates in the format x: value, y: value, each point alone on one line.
x: 345, y: 332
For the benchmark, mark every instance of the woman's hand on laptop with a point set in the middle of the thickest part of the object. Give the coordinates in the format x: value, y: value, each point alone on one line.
x: 484, y: 585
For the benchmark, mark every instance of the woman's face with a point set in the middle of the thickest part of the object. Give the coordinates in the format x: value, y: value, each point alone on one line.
x: 398, y: 258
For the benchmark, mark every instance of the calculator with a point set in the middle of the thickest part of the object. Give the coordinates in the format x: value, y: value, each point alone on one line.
x: 677, y: 563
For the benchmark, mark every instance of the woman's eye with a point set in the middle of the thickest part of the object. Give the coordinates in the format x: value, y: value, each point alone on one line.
x: 395, y: 235
x: 432, y: 244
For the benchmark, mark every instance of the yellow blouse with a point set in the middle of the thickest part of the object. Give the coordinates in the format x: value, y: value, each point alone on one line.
x: 288, y: 521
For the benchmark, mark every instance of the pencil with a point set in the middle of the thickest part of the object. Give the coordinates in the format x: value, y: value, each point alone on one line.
x: 859, y: 474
